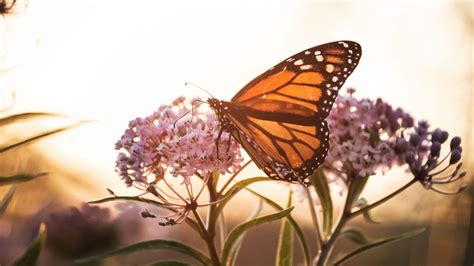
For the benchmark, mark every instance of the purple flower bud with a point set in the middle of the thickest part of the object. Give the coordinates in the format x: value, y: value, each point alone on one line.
x: 410, y: 157
x: 398, y: 113
x: 407, y: 121
x: 388, y: 110
x: 401, y: 145
x: 414, y: 139
x: 435, y: 149
x: 147, y: 214
x: 394, y: 125
x: 455, y: 142
x: 455, y: 156
x: 422, y: 128
x: 379, y: 107
x: 439, y: 135
x: 384, y: 123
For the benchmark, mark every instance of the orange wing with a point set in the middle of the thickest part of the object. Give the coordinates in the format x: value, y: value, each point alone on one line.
x: 279, y: 116
x: 283, y: 150
x: 305, y: 84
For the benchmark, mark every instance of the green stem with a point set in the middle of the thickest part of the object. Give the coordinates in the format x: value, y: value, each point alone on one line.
x: 326, y: 247
x: 347, y: 215
x: 314, y: 217
x: 379, y: 202
x: 221, y: 191
x: 213, y: 196
x: 208, y: 239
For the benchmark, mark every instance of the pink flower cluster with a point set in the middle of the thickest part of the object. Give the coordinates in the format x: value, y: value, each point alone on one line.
x: 363, y: 135
x: 175, y: 140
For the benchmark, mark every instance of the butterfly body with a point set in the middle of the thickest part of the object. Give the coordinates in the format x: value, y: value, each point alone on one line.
x: 278, y: 118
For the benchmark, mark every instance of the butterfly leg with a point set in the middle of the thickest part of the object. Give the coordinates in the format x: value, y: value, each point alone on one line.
x: 217, y: 141
x: 228, y: 143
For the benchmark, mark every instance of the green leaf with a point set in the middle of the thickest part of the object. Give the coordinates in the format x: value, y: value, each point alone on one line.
x: 356, y: 187
x: 8, y: 180
x: 37, y: 136
x: 355, y: 235
x: 320, y: 183
x: 32, y: 253
x: 376, y: 244
x: 153, y: 244
x: 169, y: 263
x: 296, y: 227
x: 242, y: 228
x: 25, y: 116
x: 285, y: 241
x: 231, y: 192
x: 238, y: 243
x: 7, y: 199
x: 361, y: 203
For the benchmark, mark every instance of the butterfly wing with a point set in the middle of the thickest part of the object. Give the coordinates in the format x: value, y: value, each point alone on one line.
x: 284, y: 151
x: 303, y: 85
x: 279, y: 116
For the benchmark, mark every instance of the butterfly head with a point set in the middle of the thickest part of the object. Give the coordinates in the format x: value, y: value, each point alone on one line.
x: 220, y: 108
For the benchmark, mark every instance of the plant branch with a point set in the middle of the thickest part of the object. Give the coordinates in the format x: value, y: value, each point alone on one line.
x: 208, y: 239
x: 381, y: 201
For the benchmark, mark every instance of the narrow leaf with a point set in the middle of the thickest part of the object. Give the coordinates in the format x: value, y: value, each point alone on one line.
x: 242, y: 228
x: 376, y: 244
x: 356, y: 187
x: 355, y: 235
x: 285, y: 241
x: 231, y: 192
x: 169, y: 263
x: 7, y: 199
x: 31, y: 255
x: 38, y: 136
x: 150, y: 245
x: 361, y: 203
x: 296, y: 227
x: 320, y: 183
x: 238, y: 243
x: 8, y: 180
x: 25, y: 116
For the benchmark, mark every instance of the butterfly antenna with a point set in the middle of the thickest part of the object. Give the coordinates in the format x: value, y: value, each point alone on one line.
x: 190, y: 111
x: 194, y: 85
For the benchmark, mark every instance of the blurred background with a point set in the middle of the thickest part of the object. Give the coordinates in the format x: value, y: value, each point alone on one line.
x: 112, y: 61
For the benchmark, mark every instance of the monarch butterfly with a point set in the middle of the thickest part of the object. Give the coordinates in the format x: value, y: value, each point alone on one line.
x: 278, y: 117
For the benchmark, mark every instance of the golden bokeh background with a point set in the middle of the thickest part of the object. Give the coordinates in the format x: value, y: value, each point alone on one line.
x: 112, y: 61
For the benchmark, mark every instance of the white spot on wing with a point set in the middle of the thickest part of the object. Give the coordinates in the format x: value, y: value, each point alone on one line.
x: 298, y: 62
x: 329, y: 68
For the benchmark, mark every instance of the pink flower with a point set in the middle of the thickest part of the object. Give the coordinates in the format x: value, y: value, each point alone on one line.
x: 170, y: 141
x: 175, y: 141
x: 363, y: 135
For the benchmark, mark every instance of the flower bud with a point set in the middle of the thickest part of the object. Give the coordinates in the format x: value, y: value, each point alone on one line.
x: 435, y: 149
x: 414, y: 139
x: 401, y: 146
x: 455, y: 156
x: 147, y: 214
x: 407, y: 121
x: 439, y: 135
x: 410, y: 158
x: 455, y: 142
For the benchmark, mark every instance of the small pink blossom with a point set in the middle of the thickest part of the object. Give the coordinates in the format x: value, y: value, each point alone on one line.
x: 363, y: 135
x: 171, y: 141
x: 175, y: 141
